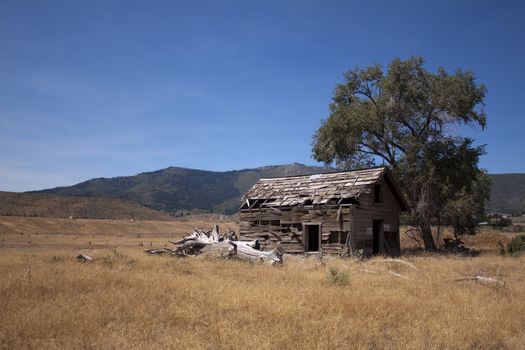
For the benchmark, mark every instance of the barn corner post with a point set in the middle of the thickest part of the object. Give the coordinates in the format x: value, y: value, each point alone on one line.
x: 346, y: 213
x: 350, y: 244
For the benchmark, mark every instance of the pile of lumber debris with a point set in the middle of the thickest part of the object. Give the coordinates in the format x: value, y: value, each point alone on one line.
x: 223, y: 245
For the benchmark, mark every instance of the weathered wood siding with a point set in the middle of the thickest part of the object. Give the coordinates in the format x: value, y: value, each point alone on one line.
x: 284, y: 226
x: 368, y: 211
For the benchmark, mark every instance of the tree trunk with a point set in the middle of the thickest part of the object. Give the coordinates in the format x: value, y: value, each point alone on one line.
x: 428, y: 239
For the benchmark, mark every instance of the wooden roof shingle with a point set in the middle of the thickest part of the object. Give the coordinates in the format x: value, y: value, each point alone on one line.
x: 319, y: 188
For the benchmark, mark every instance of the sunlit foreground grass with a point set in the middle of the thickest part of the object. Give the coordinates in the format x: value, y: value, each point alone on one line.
x: 126, y: 299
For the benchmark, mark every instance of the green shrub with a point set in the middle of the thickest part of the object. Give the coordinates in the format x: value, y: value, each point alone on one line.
x: 500, y: 222
x: 516, y: 246
x: 338, y: 278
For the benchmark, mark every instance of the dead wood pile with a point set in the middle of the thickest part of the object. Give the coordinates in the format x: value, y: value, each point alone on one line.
x: 222, y: 245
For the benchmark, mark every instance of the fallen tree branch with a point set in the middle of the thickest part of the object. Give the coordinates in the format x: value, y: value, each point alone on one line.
x: 159, y: 251
x: 246, y: 251
x: 480, y: 279
x: 84, y: 258
x: 393, y: 273
x: 224, y: 245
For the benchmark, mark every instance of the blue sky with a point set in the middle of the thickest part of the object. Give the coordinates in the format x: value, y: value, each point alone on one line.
x: 108, y: 88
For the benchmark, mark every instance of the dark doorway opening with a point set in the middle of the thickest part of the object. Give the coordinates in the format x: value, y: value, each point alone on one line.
x: 311, y: 233
x: 376, y: 230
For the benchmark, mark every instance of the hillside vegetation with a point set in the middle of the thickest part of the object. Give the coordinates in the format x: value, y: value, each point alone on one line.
x: 174, y: 189
x: 46, y: 205
x: 507, y: 194
x: 179, y: 189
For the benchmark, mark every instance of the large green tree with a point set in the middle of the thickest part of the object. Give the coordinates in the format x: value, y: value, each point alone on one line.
x: 410, y: 118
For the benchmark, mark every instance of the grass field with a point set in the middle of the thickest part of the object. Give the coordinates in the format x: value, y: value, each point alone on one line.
x: 126, y: 299
x: 52, y: 233
x: 518, y: 220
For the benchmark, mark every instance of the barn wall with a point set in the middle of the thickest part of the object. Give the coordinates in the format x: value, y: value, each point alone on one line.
x: 284, y: 227
x: 272, y: 227
x: 367, y: 211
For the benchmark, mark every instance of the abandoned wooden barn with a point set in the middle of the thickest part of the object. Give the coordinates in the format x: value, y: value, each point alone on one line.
x: 354, y: 212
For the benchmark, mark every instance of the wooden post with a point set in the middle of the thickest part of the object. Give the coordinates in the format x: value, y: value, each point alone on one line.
x: 382, y: 243
x: 350, y: 244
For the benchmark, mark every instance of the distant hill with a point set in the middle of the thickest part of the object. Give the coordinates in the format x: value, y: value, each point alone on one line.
x: 46, y: 205
x: 507, y: 194
x: 174, y: 189
x: 179, y: 189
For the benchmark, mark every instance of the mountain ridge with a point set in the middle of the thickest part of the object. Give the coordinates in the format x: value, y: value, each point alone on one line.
x: 507, y: 193
x: 174, y: 189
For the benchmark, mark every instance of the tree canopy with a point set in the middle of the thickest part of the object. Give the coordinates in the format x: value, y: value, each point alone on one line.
x: 409, y: 118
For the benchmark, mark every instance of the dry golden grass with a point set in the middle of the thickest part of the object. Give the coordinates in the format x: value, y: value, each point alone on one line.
x: 126, y: 299
x: 487, y: 240
x: 36, y: 232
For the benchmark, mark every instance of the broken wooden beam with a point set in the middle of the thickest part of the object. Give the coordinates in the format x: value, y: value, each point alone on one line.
x: 480, y: 280
x: 159, y: 251
x: 84, y: 258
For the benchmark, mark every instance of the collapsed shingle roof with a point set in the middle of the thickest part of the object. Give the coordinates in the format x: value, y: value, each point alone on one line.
x: 318, y: 189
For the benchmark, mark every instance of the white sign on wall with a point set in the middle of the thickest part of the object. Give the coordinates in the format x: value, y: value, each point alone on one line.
x: 386, y: 227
